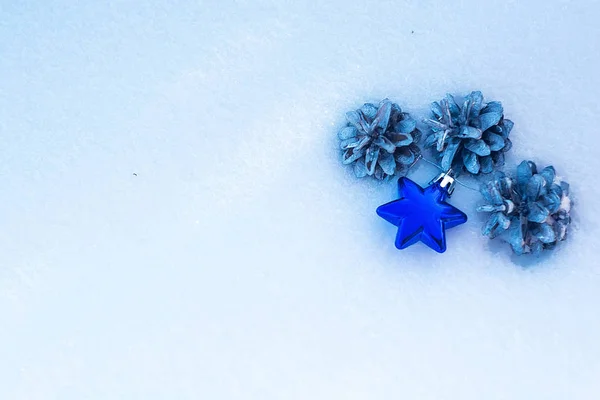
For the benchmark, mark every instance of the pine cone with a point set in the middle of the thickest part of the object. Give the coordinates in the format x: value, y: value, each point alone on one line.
x: 380, y: 141
x: 472, y: 138
x: 531, y: 211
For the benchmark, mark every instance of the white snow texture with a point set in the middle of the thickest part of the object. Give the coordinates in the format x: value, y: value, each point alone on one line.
x: 176, y: 222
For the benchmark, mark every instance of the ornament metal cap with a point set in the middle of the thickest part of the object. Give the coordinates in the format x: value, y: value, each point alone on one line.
x: 446, y: 181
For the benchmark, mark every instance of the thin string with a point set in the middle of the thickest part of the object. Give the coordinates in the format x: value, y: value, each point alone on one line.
x: 420, y: 157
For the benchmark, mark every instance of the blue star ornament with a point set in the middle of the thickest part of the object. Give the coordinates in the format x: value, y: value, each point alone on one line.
x: 422, y: 215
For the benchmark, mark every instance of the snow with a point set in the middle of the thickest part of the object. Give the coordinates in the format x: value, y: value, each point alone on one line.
x: 176, y: 223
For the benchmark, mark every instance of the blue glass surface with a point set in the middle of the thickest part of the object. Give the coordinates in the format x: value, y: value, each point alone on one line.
x: 421, y: 215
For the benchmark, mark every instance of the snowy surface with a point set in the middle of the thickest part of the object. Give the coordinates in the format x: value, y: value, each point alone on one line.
x: 176, y: 224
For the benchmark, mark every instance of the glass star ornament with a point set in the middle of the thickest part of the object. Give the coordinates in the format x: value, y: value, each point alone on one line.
x: 422, y: 214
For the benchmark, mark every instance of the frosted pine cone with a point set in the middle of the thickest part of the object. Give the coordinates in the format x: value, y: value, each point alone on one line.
x: 473, y: 137
x: 379, y: 140
x: 532, y: 211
